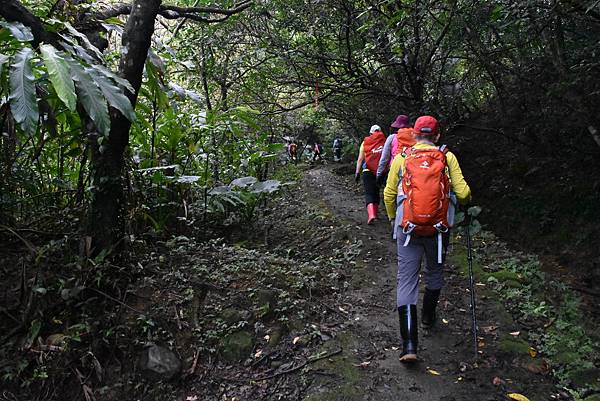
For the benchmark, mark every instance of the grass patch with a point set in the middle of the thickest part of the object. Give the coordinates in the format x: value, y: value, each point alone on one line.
x: 515, y: 346
x: 344, y: 367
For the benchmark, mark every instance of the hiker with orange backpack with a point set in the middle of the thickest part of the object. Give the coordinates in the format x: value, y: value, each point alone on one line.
x: 367, y: 162
x: 401, y: 137
x: 421, y: 192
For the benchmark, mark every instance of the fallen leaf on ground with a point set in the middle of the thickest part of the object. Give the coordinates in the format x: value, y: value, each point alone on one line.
x: 363, y: 364
x: 497, y: 381
x: 533, y: 352
x: 515, y: 333
x: 518, y: 397
x: 433, y: 372
x: 295, y: 340
x: 489, y: 329
x: 542, y: 368
x: 445, y: 321
x: 258, y: 354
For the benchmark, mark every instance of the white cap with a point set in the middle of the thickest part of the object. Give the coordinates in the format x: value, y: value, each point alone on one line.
x: 374, y: 128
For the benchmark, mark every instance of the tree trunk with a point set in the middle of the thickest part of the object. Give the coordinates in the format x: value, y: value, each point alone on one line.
x: 106, y: 223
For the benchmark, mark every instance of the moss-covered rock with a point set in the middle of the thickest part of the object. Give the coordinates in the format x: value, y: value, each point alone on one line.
x: 237, y: 346
x: 513, y: 284
x: 275, y: 335
x: 515, y: 346
x: 458, y: 258
x: 585, y: 377
x: 344, y: 366
x: 231, y: 316
x: 505, y: 275
x: 565, y: 358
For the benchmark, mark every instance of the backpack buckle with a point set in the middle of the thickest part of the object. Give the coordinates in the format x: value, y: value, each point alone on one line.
x: 408, y: 228
x: 441, y: 227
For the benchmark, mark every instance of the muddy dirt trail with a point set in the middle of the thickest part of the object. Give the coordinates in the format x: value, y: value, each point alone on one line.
x: 368, y: 367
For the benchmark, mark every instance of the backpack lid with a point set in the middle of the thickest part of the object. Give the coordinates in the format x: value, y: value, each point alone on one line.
x: 405, y: 137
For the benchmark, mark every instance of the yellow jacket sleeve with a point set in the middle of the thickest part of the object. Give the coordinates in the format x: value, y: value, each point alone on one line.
x: 458, y: 183
x: 391, y: 187
x: 361, y: 157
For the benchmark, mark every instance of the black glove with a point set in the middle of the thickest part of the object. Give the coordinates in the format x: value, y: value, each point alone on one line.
x: 357, y: 177
x: 381, y: 179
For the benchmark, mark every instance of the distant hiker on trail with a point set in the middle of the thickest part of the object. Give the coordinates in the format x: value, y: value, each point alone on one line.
x: 337, y: 149
x: 317, y: 152
x: 423, y: 217
x: 401, y: 137
x: 307, y: 152
x: 292, y: 149
x: 368, y: 159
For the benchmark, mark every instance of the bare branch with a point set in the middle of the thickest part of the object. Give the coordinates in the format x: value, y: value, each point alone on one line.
x: 209, y: 10
x: 175, y: 12
x: 14, y: 11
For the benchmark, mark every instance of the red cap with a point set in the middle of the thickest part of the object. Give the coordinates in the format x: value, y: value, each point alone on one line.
x: 426, y: 125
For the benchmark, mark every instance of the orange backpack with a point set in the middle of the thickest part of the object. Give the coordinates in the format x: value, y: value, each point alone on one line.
x: 426, y: 188
x: 373, y: 147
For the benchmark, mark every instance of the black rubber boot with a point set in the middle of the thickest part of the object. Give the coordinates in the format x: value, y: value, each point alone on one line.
x: 409, y: 332
x: 430, y: 301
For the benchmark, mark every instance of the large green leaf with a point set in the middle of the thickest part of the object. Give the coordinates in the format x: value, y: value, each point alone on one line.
x: 18, y: 31
x: 109, y: 74
x: 84, y: 39
x: 113, y: 94
x: 60, y: 75
x: 23, y: 103
x: 91, y: 97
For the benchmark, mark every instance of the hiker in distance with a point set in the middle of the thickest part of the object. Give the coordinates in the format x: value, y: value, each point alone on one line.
x: 292, y: 149
x: 423, y: 217
x: 337, y: 149
x: 367, y: 162
x: 317, y: 152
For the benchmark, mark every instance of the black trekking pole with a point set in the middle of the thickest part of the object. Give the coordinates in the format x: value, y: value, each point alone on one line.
x: 471, y: 283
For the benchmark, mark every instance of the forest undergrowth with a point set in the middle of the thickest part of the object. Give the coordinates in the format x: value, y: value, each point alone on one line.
x: 232, y: 308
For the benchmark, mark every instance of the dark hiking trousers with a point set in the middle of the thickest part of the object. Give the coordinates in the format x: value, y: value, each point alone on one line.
x: 409, y: 265
x: 371, y: 187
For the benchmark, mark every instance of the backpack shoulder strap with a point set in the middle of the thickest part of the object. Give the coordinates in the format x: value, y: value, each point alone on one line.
x: 409, y: 150
x: 406, y: 151
x: 444, y: 149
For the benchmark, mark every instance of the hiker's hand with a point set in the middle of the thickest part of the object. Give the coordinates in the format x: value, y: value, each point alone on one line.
x: 380, y: 180
x: 357, y: 177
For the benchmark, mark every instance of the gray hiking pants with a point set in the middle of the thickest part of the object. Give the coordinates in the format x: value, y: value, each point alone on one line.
x: 409, y: 265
